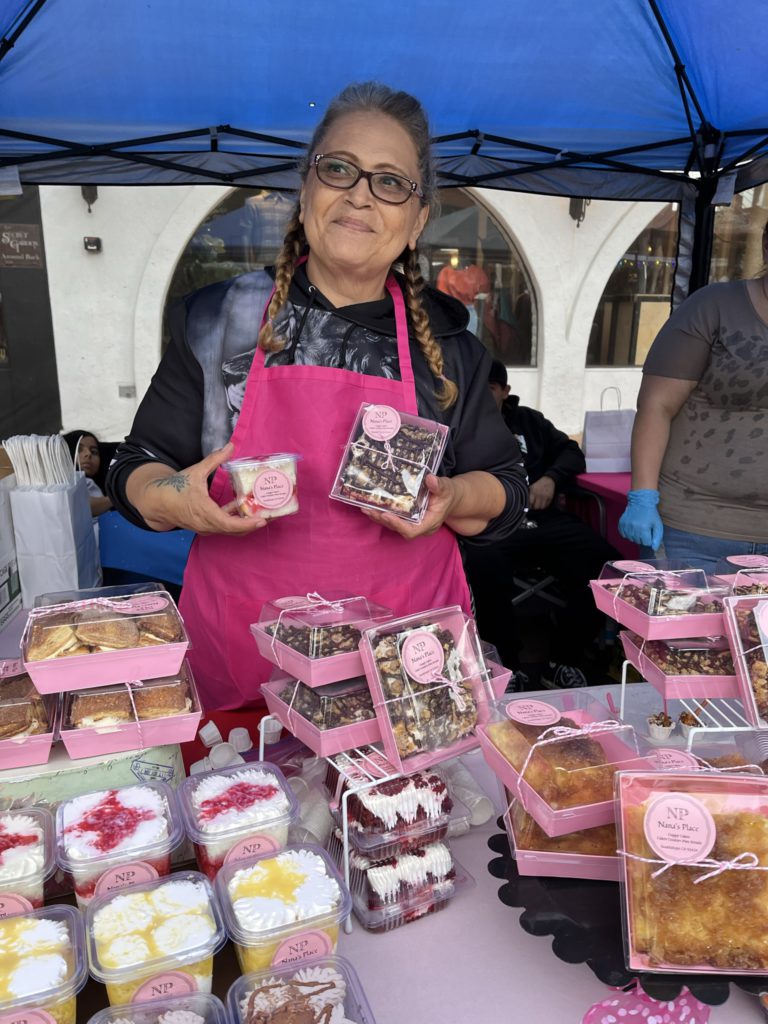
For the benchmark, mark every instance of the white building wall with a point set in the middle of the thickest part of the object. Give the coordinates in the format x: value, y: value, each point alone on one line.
x: 107, y: 308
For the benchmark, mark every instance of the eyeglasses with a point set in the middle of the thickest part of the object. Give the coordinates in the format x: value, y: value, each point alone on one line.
x: 384, y: 185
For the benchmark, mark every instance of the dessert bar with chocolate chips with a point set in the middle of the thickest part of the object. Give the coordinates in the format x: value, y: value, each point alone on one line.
x: 316, y: 641
x: 332, y: 706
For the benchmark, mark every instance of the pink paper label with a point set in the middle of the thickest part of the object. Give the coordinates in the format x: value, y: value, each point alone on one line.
x: 381, y: 422
x: 139, y: 605
x: 630, y: 566
x: 27, y: 1016
x: 251, y: 847
x: 749, y: 561
x: 667, y: 759
x: 174, y: 983
x: 124, y: 876
x: 532, y: 712
x: 423, y: 657
x: 10, y: 667
x: 302, y: 947
x: 273, y: 489
x: 679, y: 828
x: 11, y: 904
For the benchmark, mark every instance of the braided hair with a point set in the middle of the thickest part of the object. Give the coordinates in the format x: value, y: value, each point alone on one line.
x: 406, y: 110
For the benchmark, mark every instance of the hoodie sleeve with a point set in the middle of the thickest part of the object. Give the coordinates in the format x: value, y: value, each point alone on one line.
x: 168, y: 424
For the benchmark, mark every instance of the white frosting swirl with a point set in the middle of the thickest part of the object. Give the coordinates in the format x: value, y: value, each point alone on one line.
x: 315, y: 894
x: 405, y: 804
x: 410, y: 869
x: 185, y: 931
x: 81, y: 838
x: 37, y: 974
x: 262, y: 808
x: 24, y: 860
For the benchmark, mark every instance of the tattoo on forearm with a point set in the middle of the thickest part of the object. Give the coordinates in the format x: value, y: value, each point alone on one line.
x: 178, y: 481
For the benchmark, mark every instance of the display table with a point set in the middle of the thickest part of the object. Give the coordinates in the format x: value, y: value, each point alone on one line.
x: 612, y: 489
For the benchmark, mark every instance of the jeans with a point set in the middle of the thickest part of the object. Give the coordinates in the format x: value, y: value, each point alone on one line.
x: 705, y: 552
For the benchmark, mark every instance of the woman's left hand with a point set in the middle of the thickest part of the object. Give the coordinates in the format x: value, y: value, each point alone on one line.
x: 444, y: 496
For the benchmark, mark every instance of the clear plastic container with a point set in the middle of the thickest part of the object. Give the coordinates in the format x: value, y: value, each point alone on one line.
x: 42, y: 966
x: 315, y: 638
x: 236, y: 813
x: 558, y: 754
x: 27, y: 720
x: 78, y: 639
x: 328, y: 719
x: 694, y: 850
x: 197, y: 1008
x: 745, y: 574
x: 746, y: 623
x: 387, y: 459
x: 660, y: 600
x: 155, y: 940
x: 265, y: 485
x: 26, y: 859
x: 299, y: 994
x: 283, y: 907
x: 131, y: 716
x: 430, y: 685
x: 114, y: 839
x: 696, y: 667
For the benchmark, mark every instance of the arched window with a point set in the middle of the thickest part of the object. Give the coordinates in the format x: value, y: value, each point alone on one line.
x: 738, y: 234
x: 464, y: 252
x: 636, y: 300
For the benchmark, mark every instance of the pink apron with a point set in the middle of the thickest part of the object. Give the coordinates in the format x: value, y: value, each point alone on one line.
x: 326, y: 546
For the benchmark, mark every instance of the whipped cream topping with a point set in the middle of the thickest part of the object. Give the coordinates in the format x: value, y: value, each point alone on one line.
x: 35, y: 956
x: 113, y: 821
x: 238, y: 800
x: 430, y: 864
x: 22, y: 847
x: 291, y: 886
x: 402, y: 799
x: 319, y: 990
x: 136, y: 927
x: 180, y: 1017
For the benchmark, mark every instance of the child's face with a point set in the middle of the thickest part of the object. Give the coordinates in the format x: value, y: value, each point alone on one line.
x: 88, y: 456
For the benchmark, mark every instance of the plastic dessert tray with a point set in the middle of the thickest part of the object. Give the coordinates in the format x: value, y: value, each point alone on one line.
x: 675, y: 687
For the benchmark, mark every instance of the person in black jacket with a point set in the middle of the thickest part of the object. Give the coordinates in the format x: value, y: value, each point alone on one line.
x: 550, y: 540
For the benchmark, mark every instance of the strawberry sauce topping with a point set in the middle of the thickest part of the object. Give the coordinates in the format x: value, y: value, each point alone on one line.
x: 239, y: 797
x: 10, y: 840
x: 112, y: 822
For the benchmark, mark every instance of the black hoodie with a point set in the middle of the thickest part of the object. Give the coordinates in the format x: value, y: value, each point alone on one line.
x: 196, y: 394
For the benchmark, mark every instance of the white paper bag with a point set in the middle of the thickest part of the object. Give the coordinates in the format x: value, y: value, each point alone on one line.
x: 607, y: 437
x: 10, y: 590
x: 55, y: 541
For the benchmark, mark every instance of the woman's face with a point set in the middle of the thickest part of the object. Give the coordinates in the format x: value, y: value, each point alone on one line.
x: 351, y: 229
x: 88, y: 456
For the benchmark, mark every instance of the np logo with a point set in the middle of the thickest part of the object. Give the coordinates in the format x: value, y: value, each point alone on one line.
x: 174, y: 983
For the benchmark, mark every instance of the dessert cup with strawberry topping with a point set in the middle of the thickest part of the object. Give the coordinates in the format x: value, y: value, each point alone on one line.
x: 26, y: 859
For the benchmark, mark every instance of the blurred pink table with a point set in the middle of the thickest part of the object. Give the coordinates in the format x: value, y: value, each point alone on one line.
x: 612, y: 490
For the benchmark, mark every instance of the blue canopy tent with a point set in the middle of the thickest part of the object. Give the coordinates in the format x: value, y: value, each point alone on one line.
x: 612, y: 99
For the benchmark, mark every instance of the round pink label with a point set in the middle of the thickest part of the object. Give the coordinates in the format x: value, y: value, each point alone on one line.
x: 381, y: 422
x: 749, y: 561
x: 629, y: 566
x: 124, y: 876
x: 667, y: 759
x: 139, y: 605
x: 532, y: 712
x: 302, y: 947
x: 11, y: 904
x: 423, y: 657
x: 27, y: 1016
x: 679, y: 828
x: 272, y: 488
x: 174, y: 983
x: 251, y: 847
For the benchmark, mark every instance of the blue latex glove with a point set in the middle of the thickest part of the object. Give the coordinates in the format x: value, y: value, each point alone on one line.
x: 641, y: 521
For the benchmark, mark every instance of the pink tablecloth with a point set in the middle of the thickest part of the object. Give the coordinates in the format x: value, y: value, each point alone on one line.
x: 612, y: 488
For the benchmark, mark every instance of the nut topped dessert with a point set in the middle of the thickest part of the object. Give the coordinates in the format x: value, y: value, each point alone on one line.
x: 704, y: 656
x: 659, y: 598
x: 332, y: 706
x: 316, y: 641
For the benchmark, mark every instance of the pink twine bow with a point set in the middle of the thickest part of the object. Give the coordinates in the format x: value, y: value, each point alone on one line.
x: 746, y: 861
x: 314, y: 600
x: 636, y: 1005
x: 390, y: 463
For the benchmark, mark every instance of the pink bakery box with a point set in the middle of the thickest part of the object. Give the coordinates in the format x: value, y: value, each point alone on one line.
x: 616, y: 738
x: 666, y: 587
x: 311, y: 618
x: 25, y: 751
x: 559, y: 864
x: 744, y: 649
x: 679, y: 686
x: 99, y: 740
x: 141, y: 602
x: 678, y: 833
x: 323, y: 742
x: 419, y: 647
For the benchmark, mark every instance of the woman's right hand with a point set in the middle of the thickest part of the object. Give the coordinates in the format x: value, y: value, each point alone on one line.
x: 167, y: 499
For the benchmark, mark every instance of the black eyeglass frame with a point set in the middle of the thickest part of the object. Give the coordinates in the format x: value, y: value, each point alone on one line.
x: 415, y: 189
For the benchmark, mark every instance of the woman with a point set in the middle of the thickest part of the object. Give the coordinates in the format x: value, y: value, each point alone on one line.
x: 84, y: 449
x: 700, y: 440
x: 281, y: 363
